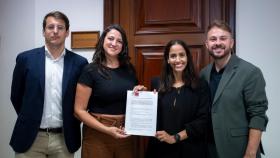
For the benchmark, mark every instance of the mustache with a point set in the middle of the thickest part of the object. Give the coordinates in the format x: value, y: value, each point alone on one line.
x: 219, y: 46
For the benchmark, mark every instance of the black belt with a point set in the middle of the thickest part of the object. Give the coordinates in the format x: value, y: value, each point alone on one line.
x: 51, y: 130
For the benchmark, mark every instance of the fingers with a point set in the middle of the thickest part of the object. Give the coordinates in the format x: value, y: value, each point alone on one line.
x: 160, y: 135
x: 155, y: 91
x: 138, y: 88
x: 118, y: 133
x: 164, y: 137
x: 161, y: 138
x: 142, y: 88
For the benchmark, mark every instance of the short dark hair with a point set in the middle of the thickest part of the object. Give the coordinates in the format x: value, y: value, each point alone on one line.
x: 219, y: 24
x: 57, y: 15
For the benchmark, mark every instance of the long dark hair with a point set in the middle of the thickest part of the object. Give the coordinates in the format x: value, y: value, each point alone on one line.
x: 167, y: 78
x: 99, y: 57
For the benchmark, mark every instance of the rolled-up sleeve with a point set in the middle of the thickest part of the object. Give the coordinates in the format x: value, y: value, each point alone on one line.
x: 255, y: 100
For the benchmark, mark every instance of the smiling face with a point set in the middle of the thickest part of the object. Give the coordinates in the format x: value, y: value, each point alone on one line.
x: 219, y: 43
x: 113, y: 43
x: 177, y: 58
x: 55, y: 32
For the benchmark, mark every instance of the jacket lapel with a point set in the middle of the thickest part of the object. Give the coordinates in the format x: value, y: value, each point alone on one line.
x: 66, y: 71
x: 41, y: 67
x: 226, y: 77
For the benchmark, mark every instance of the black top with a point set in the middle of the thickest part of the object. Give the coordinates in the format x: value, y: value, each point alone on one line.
x: 108, y: 95
x: 189, y: 112
x: 215, y: 78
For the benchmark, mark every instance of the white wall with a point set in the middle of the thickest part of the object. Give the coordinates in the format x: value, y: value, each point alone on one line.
x: 257, y: 38
x: 16, y: 34
x: 21, y: 29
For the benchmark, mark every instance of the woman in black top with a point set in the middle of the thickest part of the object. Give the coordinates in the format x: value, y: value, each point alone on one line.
x: 182, y: 107
x: 101, y: 97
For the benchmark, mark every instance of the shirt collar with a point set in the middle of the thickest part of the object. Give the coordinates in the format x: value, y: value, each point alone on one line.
x: 49, y: 55
x: 213, y: 70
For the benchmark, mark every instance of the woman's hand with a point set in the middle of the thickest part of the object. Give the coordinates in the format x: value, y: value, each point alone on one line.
x: 165, y: 137
x: 117, y: 133
x: 138, y: 88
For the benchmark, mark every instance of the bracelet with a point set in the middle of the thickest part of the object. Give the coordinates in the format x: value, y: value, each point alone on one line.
x: 177, y: 138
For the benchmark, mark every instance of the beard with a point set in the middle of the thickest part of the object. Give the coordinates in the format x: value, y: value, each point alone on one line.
x: 226, y: 51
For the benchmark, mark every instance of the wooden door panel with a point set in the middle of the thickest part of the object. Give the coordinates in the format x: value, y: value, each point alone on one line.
x: 149, y: 63
x: 166, y: 16
x: 191, y: 39
x: 200, y: 57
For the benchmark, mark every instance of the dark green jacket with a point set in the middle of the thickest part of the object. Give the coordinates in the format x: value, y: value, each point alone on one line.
x: 239, y: 104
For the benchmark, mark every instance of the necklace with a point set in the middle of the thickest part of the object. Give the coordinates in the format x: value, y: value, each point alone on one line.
x: 178, y: 90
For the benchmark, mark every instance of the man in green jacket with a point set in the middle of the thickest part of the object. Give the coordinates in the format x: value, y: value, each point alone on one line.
x: 239, y: 103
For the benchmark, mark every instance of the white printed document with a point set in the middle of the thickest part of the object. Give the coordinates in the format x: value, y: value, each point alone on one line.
x: 141, y: 113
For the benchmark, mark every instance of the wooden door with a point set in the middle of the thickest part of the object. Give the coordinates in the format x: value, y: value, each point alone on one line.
x: 150, y: 24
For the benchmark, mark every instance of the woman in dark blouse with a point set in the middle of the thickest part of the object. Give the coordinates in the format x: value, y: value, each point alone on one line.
x: 183, y: 103
x: 101, y: 98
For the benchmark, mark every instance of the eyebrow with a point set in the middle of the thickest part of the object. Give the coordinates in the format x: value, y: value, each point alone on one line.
x: 223, y: 36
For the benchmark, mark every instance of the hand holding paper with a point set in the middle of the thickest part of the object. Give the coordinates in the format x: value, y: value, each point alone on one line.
x: 141, y: 113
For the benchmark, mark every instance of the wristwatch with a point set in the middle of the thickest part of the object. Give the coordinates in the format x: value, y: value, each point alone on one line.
x: 177, y: 137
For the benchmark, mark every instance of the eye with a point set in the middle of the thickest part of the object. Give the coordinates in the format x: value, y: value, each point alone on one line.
x: 50, y: 27
x: 182, y: 55
x: 120, y: 41
x: 212, y: 39
x: 224, y: 38
x: 172, y: 56
x: 60, y: 27
x: 110, y: 38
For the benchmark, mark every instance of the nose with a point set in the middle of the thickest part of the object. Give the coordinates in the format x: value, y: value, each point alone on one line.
x: 55, y: 30
x: 177, y: 58
x: 218, y: 41
x: 114, y: 43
